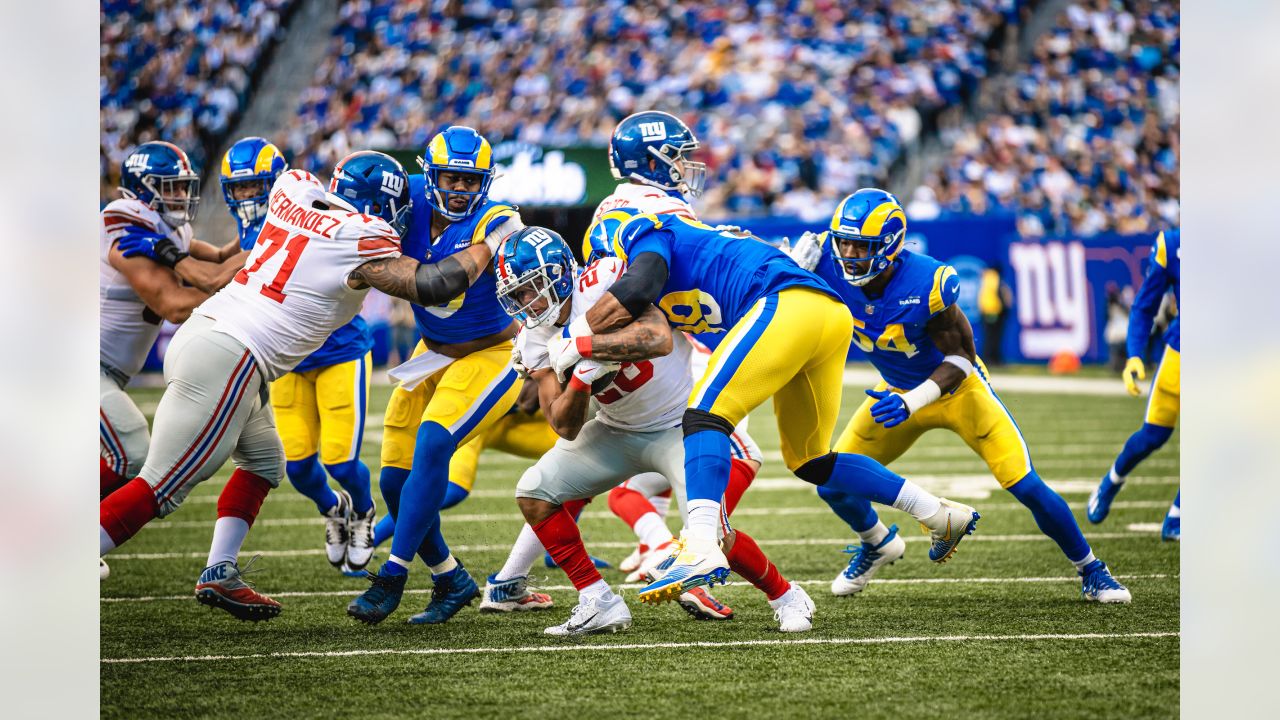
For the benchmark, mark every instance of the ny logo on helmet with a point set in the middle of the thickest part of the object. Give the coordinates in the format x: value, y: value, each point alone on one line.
x: 538, y: 238
x: 138, y: 162
x: 653, y: 131
x: 392, y: 184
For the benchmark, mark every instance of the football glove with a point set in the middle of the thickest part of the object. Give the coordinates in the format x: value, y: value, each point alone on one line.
x: 1134, y: 370
x: 517, y: 360
x: 151, y: 245
x: 889, y: 409
x: 806, y: 251
x: 563, y: 353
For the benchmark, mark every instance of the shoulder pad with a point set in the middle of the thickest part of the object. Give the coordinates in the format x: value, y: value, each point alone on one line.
x: 945, y: 291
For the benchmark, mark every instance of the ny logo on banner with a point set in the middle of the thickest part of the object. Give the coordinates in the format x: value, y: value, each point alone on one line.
x: 1053, y: 298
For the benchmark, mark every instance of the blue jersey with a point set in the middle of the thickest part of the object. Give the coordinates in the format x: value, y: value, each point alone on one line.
x: 890, y: 328
x: 347, y: 343
x: 475, y: 313
x: 1164, y: 273
x: 713, y: 278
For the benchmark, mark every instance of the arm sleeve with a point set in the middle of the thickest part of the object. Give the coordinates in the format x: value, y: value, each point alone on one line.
x: 640, y: 285
x: 1147, y: 303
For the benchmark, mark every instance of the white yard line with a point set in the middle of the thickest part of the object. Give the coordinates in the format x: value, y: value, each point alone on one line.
x: 864, y: 377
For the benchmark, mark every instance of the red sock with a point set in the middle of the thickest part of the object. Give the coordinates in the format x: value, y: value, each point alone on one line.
x: 243, y: 495
x: 574, y: 507
x: 629, y: 505
x: 559, y: 535
x: 123, y: 513
x: 109, y: 480
x: 748, y: 560
x: 741, y: 473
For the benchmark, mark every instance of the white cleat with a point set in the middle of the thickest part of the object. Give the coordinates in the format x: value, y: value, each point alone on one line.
x: 336, y: 535
x: 631, y: 563
x: 607, y: 614
x: 794, y: 610
x: 948, y: 527
x: 103, y: 570
x: 699, y: 563
x: 360, y: 539
x: 647, y: 570
x: 866, y: 561
x: 514, y: 595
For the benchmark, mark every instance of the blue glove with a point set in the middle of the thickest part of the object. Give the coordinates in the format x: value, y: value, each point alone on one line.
x: 150, y: 245
x: 889, y: 410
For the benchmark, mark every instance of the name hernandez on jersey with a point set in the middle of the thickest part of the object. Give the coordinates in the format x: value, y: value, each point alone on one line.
x: 645, y: 199
x: 644, y: 396
x: 128, y: 327
x: 292, y: 292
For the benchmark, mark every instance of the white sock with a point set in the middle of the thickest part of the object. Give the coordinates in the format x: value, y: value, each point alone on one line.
x: 444, y: 567
x: 916, y: 501
x: 523, y: 553
x: 406, y: 564
x: 704, y: 519
x: 105, y: 543
x: 597, y: 589
x: 660, y: 504
x: 1082, y: 562
x: 783, y: 598
x: 228, y: 536
x: 875, y: 535
x: 1175, y: 510
x: 1116, y: 478
x: 652, y: 530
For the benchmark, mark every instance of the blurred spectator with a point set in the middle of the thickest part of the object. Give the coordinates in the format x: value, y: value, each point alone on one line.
x: 1116, y: 331
x: 923, y: 205
x: 404, y: 330
x: 994, y: 299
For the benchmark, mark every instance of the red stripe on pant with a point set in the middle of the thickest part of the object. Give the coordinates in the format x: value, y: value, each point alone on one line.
x: 559, y: 535
x: 213, y: 420
x: 213, y: 446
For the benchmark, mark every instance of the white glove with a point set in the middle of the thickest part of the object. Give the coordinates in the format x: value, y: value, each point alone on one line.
x: 806, y: 251
x: 734, y: 229
x: 517, y: 360
x: 588, y: 371
x: 563, y: 354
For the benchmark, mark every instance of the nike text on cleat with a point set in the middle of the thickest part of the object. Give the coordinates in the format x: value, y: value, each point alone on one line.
x: 702, y: 605
x: 595, y: 615
x: 453, y: 591
x: 512, y: 595
x: 794, y: 610
x: 1100, y: 499
x: 1097, y: 584
x: 1171, y: 530
x: 948, y: 527
x: 700, y: 564
x: 103, y: 570
x: 360, y: 539
x: 335, y: 530
x: 866, y: 560
x: 380, y: 600
x: 223, y: 586
x: 657, y: 557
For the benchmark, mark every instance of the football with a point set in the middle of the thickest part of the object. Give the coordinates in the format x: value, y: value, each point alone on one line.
x: 602, y: 382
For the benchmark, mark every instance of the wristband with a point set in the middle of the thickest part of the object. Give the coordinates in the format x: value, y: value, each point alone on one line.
x: 961, y: 362
x: 168, y: 254
x: 583, y: 345
x: 923, y: 394
x: 575, y: 383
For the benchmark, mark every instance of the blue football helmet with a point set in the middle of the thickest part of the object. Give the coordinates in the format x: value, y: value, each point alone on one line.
x: 534, y: 264
x: 457, y: 149
x: 660, y: 139
x: 598, y: 240
x: 160, y: 175
x: 873, y: 218
x: 251, y: 161
x: 373, y: 183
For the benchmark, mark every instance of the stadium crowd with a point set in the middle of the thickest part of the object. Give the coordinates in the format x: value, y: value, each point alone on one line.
x: 1084, y: 139
x: 177, y: 71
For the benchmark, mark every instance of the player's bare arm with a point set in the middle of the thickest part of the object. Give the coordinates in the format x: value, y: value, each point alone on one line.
x: 158, y: 286
x: 564, y: 405
x: 404, y: 277
x: 951, y: 332
x: 208, y: 268
x: 648, y: 337
x: 208, y: 252
x: 631, y: 295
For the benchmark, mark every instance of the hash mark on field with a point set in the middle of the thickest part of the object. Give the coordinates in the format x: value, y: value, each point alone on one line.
x: 636, y: 586
x: 651, y: 646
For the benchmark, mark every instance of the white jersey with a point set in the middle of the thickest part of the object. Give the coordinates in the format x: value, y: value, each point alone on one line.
x: 293, y: 292
x: 645, y: 396
x: 128, y: 327
x: 646, y: 199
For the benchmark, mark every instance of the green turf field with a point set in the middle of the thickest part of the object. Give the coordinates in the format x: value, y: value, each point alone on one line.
x: 1000, y: 631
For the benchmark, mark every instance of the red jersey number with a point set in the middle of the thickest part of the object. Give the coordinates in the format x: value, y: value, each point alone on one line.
x: 275, y: 238
x: 629, y: 379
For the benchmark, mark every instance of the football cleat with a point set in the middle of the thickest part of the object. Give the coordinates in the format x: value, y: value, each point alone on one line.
x: 550, y: 562
x: 595, y: 615
x: 631, y: 563
x: 1098, y: 584
x: 380, y: 600
x: 360, y: 540
x: 223, y: 586
x: 103, y: 570
x: 1171, y: 530
x: 794, y: 610
x: 866, y: 560
x: 335, y: 530
x: 512, y: 595
x: 453, y: 591
x: 700, y: 563
x: 655, y: 562
x: 702, y: 605
x: 1100, y: 499
x: 948, y: 527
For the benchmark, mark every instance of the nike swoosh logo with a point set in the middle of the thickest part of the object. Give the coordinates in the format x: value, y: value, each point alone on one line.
x: 947, y: 537
x: 584, y: 622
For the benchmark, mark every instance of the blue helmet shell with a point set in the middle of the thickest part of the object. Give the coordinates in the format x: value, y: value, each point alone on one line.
x: 375, y: 184
x: 534, y: 263
x: 251, y: 160
x: 660, y: 139
x: 457, y: 149
x: 872, y: 216
x: 160, y: 175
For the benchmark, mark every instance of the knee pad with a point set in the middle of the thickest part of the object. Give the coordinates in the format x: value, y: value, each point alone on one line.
x: 136, y: 444
x: 435, y: 441
x: 695, y: 421
x: 817, y: 470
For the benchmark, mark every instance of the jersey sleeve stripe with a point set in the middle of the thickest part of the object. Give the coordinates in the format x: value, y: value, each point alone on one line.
x: 112, y: 219
x: 1162, y: 252
x: 936, y: 303
x: 376, y: 246
x: 482, y: 228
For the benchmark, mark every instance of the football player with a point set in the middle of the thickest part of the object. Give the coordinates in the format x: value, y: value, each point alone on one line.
x: 638, y: 378
x: 320, y: 404
x: 1164, y: 273
x: 787, y: 337
x: 906, y: 319
x: 459, y: 382
x: 319, y: 253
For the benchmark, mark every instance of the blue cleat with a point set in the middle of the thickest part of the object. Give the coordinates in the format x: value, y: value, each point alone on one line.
x: 698, y: 564
x: 866, y: 560
x: 380, y: 600
x: 551, y: 562
x: 948, y: 527
x: 453, y: 591
x: 1097, y: 584
x: 1171, y: 531
x: 1100, y: 499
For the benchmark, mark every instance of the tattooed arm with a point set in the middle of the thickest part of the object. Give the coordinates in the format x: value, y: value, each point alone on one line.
x: 648, y: 337
x: 404, y: 277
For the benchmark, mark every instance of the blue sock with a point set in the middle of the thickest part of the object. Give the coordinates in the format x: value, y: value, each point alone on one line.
x: 1052, y: 515
x: 353, y: 476
x: 855, y: 511
x: 859, y: 475
x: 433, y: 549
x: 390, y: 569
x: 391, y: 481
x: 453, y: 495
x: 1142, y: 443
x: 309, y: 479
x: 706, y: 465
x: 423, y: 492
x: 385, y: 528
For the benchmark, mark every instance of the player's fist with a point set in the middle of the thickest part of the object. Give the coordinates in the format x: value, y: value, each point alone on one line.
x: 517, y: 360
x: 806, y: 251
x: 151, y: 245
x: 1134, y: 370
x: 592, y: 377
x: 889, y: 409
x: 564, y: 353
